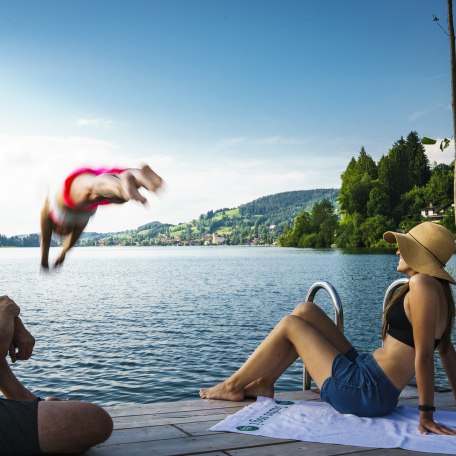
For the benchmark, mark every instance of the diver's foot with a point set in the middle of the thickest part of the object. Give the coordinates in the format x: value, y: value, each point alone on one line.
x: 149, y: 179
x: 259, y: 388
x: 223, y: 392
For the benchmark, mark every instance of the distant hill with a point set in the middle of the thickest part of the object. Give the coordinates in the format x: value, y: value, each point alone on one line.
x: 259, y: 222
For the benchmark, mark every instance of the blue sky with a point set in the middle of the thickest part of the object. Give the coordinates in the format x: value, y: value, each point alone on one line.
x: 227, y: 100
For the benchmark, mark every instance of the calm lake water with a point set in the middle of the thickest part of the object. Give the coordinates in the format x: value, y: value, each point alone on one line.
x: 147, y: 324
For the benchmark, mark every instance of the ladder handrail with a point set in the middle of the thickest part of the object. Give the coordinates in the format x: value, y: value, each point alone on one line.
x: 338, y: 309
x: 338, y: 314
x: 391, y: 290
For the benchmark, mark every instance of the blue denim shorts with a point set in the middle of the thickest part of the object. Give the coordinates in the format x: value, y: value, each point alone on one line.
x: 359, y: 386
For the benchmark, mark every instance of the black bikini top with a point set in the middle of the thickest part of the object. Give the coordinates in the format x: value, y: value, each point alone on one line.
x: 399, y: 325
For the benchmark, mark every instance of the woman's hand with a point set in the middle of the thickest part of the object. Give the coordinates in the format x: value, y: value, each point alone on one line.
x: 428, y: 425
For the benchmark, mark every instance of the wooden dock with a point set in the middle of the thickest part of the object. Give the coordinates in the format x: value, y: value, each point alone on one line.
x: 181, y: 428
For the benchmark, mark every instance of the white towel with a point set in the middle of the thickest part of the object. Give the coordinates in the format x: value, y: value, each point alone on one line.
x: 313, y: 421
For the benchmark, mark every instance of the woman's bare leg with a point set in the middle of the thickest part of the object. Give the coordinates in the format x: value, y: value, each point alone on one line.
x: 314, y: 315
x: 313, y: 347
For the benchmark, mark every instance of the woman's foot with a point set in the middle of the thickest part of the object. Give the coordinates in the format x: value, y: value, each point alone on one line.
x: 259, y: 388
x: 223, y: 392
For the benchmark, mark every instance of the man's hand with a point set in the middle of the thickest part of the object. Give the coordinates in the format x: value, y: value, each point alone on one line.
x: 22, y: 343
x: 9, y: 306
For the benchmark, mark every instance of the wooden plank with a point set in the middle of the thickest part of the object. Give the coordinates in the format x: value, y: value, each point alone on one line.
x: 184, y: 446
x: 301, y: 449
x: 182, y: 428
x: 144, y: 434
x: 309, y: 395
x: 143, y: 421
x: 166, y: 407
x: 394, y: 452
x: 218, y: 453
x: 440, y: 400
x: 197, y: 428
x: 199, y: 404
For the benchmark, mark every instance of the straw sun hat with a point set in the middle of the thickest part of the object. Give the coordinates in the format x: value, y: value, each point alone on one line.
x: 425, y: 248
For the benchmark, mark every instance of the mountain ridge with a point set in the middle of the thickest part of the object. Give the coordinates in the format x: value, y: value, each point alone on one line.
x: 260, y: 221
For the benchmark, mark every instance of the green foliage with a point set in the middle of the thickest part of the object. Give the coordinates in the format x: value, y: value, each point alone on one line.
x: 261, y: 222
x: 440, y: 186
x: 313, y: 230
x: 405, y: 184
x: 29, y: 240
x: 357, y: 182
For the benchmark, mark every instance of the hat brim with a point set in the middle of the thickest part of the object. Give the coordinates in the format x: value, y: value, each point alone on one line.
x: 416, y: 256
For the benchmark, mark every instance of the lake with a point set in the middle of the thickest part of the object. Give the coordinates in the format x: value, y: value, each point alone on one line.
x: 147, y: 324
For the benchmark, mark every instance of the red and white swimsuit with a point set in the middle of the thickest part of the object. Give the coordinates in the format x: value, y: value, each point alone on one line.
x: 69, y: 214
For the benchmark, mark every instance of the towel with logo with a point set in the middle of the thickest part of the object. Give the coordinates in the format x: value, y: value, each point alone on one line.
x: 313, y: 421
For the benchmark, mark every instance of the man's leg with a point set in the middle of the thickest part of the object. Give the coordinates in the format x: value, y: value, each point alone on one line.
x: 71, y: 427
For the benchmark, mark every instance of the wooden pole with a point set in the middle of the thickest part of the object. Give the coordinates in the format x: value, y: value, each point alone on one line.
x: 453, y: 86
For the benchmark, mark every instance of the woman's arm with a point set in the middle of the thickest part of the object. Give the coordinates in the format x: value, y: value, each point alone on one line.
x: 424, y: 303
x: 449, y: 363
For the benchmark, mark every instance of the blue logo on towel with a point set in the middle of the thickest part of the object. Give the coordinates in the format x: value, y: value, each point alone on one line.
x: 247, y: 428
x: 284, y: 402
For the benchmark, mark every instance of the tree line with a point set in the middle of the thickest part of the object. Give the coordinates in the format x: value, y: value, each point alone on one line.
x: 376, y: 197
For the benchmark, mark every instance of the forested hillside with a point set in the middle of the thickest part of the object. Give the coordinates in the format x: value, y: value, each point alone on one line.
x: 259, y: 222
x: 397, y: 192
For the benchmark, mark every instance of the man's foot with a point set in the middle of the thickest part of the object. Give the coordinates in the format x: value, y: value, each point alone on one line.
x: 259, y: 388
x: 222, y: 392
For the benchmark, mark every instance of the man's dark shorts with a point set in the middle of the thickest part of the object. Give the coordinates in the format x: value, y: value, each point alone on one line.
x: 19, y: 428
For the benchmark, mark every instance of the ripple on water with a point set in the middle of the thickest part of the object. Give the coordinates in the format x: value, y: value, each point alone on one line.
x: 125, y: 325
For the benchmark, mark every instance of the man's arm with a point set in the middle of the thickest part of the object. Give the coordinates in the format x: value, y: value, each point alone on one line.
x: 10, y: 386
x: 13, y: 335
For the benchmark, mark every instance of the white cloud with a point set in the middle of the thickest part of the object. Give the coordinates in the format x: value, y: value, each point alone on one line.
x: 94, y: 122
x: 32, y: 166
x: 434, y: 153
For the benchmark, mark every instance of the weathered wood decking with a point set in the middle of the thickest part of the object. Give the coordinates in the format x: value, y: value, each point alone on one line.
x: 181, y: 428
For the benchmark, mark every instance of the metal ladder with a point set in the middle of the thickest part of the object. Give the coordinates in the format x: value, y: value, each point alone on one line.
x: 338, y: 309
x: 338, y: 315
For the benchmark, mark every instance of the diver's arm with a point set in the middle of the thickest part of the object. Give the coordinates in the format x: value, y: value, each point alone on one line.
x: 69, y: 242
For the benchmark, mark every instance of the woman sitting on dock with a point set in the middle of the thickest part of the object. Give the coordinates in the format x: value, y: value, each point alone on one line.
x: 28, y: 424
x: 418, y: 319
x: 68, y: 213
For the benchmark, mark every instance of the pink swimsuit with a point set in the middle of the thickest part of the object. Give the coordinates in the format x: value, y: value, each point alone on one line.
x: 70, y: 214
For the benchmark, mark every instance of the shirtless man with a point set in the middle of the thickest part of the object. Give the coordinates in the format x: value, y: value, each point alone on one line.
x: 68, y: 213
x: 31, y: 425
